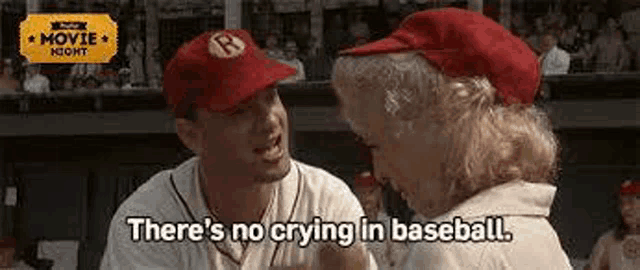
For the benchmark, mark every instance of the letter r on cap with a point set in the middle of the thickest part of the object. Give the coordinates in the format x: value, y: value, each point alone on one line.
x: 225, y: 45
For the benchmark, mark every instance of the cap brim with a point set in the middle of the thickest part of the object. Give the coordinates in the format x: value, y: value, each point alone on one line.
x: 386, y: 45
x: 273, y: 72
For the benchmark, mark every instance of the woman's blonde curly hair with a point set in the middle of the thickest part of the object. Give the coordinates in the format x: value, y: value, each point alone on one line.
x: 487, y: 143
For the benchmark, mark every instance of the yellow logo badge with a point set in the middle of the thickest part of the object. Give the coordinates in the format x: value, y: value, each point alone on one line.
x: 68, y: 38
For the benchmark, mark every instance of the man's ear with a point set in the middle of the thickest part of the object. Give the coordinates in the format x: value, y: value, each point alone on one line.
x: 191, y: 134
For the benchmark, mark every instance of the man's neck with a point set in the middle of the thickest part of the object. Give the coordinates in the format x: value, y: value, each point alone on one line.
x: 235, y: 203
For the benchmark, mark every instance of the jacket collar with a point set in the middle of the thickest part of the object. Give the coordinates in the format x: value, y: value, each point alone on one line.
x: 515, y: 198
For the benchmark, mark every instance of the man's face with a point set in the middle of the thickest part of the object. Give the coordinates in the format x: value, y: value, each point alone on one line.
x: 249, y: 143
x: 32, y: 70
x: 548, y: 41
x: 291, y: 53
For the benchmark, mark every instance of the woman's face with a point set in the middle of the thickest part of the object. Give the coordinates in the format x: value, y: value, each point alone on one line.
x: 630, y: 209
x: 411, y: 163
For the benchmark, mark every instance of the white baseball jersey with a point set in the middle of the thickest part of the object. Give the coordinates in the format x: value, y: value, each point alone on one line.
x: 609, y: 253
x: 174, y: 196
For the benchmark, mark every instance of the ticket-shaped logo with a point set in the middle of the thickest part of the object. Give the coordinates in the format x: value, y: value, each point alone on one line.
x: 68, y: 38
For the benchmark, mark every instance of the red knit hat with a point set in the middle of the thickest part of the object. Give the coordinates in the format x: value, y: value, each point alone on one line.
x: 463, y: 43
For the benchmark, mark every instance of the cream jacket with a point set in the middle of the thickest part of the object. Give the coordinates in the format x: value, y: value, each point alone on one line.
x: 525, y: 208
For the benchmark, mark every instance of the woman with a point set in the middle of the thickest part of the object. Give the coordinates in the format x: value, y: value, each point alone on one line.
x: 445, y: 104
x: 620, y: 248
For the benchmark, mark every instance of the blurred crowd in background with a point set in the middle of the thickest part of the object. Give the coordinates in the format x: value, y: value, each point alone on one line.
x: 570, y: 38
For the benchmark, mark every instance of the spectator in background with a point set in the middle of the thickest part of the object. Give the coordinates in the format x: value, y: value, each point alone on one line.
x: 273, y: 51
x: 517, y: 21
x: 125, y: 78
x: 291, y: 59
x: 335, y: 38
x: 35, y: 82
x: 609, y: 51
x: 619, y: 248
x: 631, y: 57
x: 84, y: 70
x: 304, y: 40
x: 563, y: 19
x: 555, y: 17
x: 135, y: 57
x: 110, y: 80
x: 68, y: 85
x: 570, y: 42
x: 587, y: 19
x: 582, y: 59
x: 630, y: 21
x: 359, y: 29
x: 555, y: 61
x: 155, y: 80
x: 92, y: 83
x: 569, y: 39
x: 535, y: 37
x: 8, y: 84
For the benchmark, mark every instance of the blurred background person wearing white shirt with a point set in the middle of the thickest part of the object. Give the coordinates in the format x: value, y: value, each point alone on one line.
x: 35, y: 82
x: 555, y: 61
x: 291, y: 59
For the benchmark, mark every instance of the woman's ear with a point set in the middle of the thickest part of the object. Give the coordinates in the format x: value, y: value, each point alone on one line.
x: 191, y: 134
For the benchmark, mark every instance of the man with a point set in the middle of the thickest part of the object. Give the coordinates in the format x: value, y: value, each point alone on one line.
x: 220, y: 88
x: 8, y: 83
x: 291, y: 59
x: 272, y: 50
x: 587, y: 19
x: 555, y: 61
x: 609, y: 50
x: 35, y: 82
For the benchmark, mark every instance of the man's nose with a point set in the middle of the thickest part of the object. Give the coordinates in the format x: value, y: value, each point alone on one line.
x: 266, y: 120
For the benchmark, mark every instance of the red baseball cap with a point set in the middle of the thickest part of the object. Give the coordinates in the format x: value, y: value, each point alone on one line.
x: 465, y: 43
x: 217, y: 70
x: 365, y: 179
x: 630, y: 187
